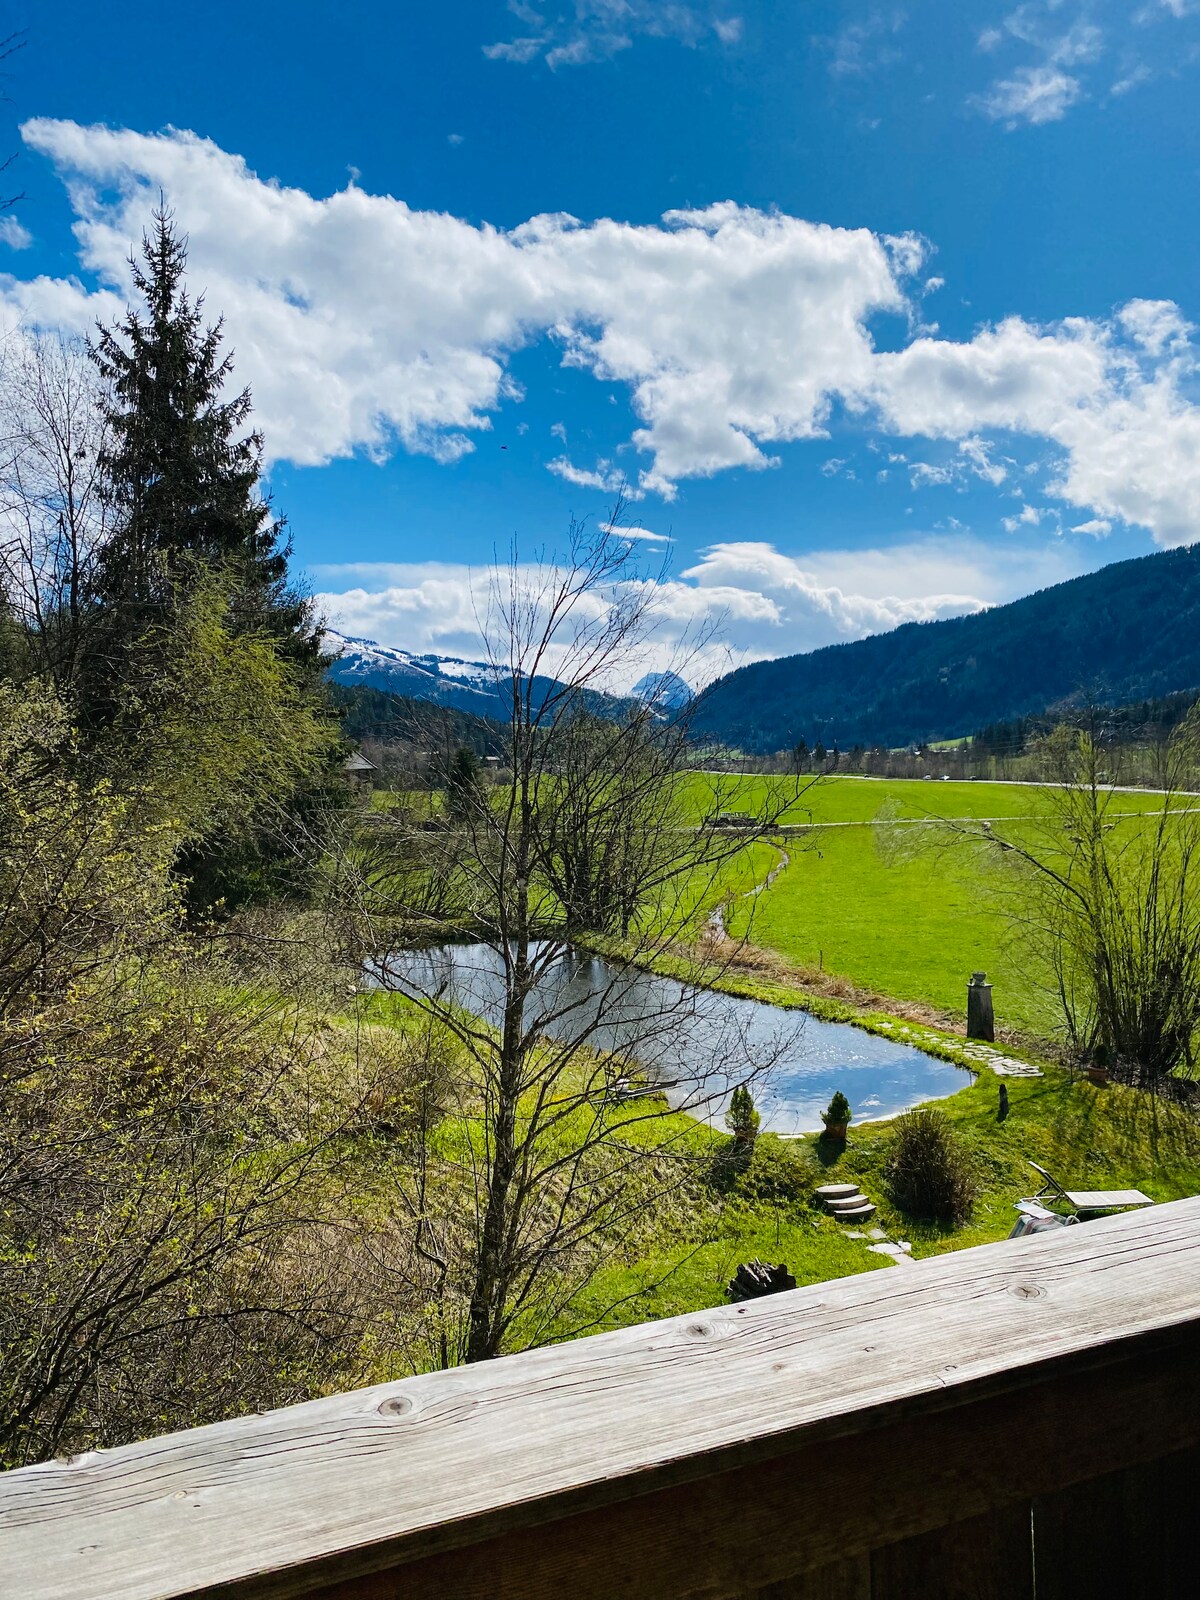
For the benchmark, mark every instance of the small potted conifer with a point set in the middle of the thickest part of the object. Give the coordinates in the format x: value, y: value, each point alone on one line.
x: 1097, y: 1067
x: 742, y: 1118
x: 837, y: 1117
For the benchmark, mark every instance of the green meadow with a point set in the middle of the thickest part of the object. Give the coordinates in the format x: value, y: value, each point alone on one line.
x: 880, y: 891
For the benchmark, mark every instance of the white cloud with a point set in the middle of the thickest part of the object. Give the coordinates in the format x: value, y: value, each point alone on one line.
x: 635, y: 534
x: 597, y: 30
x: 518, y: 50
x: 361, y: 321
x: 1098, y: 527
x: 1155, y: 325
x: 923, y: 474
x: 763, y: 602
x: 362, y: 324
x: 1133, y: 79
x: 863, y: 46
x: 977, y: 460
x: 1033, y: 94
x: 14, y: 234
x: 1044, y: 90
x: 1027, y: 517
x: 1129, y: 436
x: 604, y: 477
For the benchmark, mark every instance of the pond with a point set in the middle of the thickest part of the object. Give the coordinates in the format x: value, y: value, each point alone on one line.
x: 697, y: 1043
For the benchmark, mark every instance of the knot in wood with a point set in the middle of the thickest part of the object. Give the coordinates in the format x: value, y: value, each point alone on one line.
x: 396, y: 1405
x: 700, y: 1330
x: 1028, y: 1291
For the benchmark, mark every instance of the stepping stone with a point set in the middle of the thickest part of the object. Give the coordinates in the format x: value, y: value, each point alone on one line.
x: 846, y: 1203
x: 885, y: 1248
x: 860, y: 1213
x: 836, y: 1191
x: 877, y: 1233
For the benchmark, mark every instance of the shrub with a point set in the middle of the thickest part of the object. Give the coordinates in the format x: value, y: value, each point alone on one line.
x: 931, y: 1172
x: 838, y: 1113
x: 742, y: 1119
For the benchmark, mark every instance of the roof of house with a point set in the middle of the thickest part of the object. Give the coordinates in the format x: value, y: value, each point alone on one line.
x: 358, y: 763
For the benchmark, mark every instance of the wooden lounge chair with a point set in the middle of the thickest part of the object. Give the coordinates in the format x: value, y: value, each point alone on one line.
x: 1081, y: 1200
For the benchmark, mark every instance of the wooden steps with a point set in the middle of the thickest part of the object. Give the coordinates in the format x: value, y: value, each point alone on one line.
x: 846, y: 1202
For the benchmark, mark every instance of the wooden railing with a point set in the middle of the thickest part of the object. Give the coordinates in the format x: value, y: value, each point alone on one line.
x: 1017, y: 1419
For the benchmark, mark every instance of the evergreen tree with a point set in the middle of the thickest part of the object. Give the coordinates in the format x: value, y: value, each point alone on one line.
x: 194, y: 538
x: 184, y: 469
x: 742, y: 1119
x: 462, y: 784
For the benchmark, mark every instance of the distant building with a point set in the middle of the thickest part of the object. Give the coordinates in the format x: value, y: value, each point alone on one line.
x: 359, y: 770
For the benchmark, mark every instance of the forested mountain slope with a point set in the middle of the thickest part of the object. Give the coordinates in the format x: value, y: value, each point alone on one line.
x: 1128, y: 632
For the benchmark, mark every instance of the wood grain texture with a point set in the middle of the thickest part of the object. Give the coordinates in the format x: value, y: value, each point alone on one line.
x: 774, y: 1521
x: 984, y: 1558
x: 924, y: 1371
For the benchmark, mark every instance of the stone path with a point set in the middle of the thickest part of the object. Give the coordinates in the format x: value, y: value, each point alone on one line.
x: 975, y: 1050
x: 847, y: 1203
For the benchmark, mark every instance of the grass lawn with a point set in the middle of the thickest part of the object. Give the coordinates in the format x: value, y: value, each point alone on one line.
x: 1089, y: 1137
x: 904, y: 910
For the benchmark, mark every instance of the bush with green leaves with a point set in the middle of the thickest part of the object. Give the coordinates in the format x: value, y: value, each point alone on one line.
x: 838, y: 1112
x: 931, y: 1172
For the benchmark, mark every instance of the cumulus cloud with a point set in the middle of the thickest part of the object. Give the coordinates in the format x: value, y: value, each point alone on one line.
x: 597, y: 30
x: 363, y: 325
x: 745, y: 598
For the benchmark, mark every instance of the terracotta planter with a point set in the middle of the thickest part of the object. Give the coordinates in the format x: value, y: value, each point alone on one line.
x: 1097, y: 1074
x: 836, y: 1130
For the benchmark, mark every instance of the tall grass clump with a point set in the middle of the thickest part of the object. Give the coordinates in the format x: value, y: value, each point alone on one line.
x: 931, y: 1172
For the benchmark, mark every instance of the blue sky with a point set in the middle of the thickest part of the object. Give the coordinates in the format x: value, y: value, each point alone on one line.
x: 882, y: 312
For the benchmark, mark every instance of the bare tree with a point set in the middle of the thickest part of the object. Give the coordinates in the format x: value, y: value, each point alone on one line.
x: 599, y: 829
x: 53, y: 511
x: 1109, y: 895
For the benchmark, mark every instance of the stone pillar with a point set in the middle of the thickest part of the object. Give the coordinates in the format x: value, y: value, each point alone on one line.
x: 980, y: 1021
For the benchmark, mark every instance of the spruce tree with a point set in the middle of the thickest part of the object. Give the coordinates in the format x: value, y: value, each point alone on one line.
x: 184, y: 469
x: 184, y: 478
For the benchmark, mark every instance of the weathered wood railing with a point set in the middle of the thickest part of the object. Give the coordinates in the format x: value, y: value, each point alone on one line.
x: 1016, y: 1419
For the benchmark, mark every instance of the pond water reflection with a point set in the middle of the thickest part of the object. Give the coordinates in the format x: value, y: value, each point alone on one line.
x: 681, y: 1036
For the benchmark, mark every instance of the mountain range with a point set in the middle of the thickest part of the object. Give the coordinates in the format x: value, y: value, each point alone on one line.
x: 472, y: 686
x: 1130, y: 631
